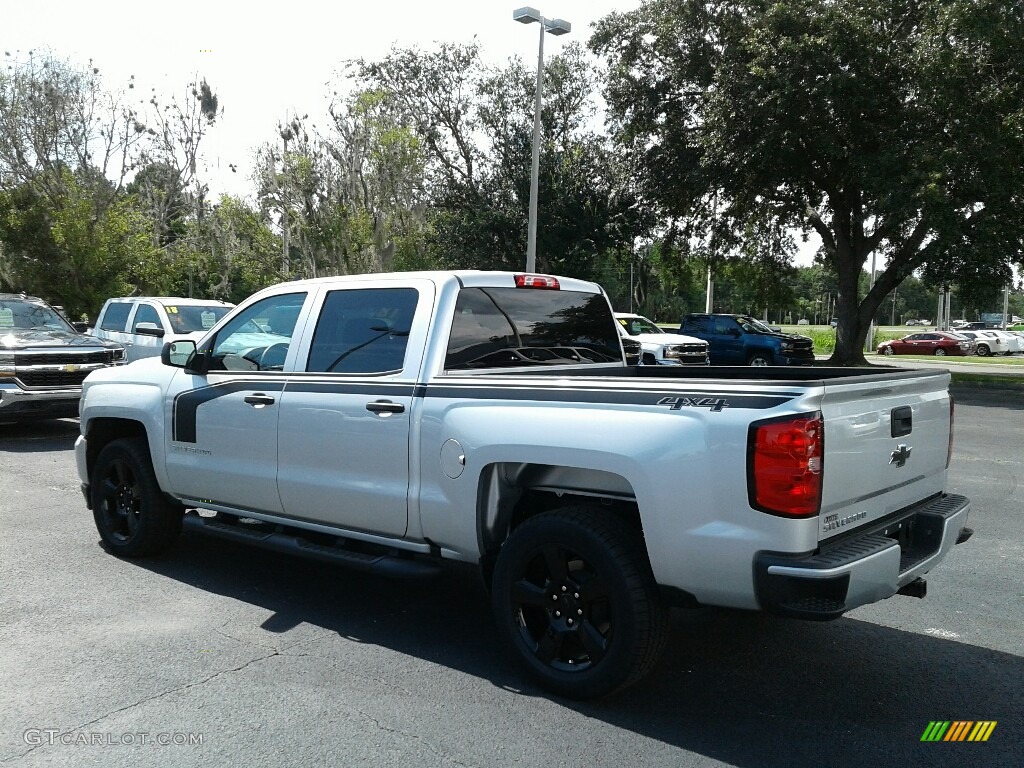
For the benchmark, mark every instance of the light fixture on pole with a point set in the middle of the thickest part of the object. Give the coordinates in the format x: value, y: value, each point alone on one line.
x: 555, y: 27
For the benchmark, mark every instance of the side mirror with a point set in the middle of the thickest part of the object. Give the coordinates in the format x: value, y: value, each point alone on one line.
x: 149, y: 329
x: 183, y: 354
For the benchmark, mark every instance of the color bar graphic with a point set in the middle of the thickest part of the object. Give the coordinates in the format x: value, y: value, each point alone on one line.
x: 958, y: 730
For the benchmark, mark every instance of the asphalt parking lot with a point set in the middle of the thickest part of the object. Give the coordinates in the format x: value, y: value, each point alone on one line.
x: 217, y: 654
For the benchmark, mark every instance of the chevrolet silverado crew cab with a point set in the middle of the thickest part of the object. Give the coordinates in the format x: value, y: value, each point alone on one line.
x: 393, y: 421
x: 743, y: 340
x: 142, y: 324
x: 658, y: 346
x: 43, y: 360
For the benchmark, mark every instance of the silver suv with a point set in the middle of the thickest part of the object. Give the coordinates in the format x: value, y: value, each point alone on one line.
x: 143, y: 323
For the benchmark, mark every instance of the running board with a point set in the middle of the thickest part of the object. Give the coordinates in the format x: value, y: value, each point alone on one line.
x: 291, y: 542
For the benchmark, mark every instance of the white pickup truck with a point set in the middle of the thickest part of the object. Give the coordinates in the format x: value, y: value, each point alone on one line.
x: 393, y: 421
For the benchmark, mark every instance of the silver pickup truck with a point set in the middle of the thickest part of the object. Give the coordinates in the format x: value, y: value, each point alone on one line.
x: 393, y: 421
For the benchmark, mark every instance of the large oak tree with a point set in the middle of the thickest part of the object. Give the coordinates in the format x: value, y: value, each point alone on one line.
x: 892, y: 129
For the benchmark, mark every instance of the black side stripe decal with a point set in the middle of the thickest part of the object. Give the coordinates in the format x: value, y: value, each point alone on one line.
x: 186, y: 404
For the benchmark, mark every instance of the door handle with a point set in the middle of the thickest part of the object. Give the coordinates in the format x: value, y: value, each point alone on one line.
x: 385, y: 406
x: 259, y: 400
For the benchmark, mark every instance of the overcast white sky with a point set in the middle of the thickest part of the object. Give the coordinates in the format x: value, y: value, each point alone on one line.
x: 265, y: 61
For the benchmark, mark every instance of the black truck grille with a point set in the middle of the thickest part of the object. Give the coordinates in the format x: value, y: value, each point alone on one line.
x: 52, y: 378
x: 64, y: 358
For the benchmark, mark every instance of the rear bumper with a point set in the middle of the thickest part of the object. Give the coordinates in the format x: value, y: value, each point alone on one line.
x: 872, y: 565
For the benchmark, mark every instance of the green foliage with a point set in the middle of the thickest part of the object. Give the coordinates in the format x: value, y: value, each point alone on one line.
x: 61, y: 248
x: 886, y: 128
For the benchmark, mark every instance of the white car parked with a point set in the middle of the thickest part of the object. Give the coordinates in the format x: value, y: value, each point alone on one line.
x: 987, y: 343
x: 141, y: 324
x: 1012, y: 340
x: 659, y: 347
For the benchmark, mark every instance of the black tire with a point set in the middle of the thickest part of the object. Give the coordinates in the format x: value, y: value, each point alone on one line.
x: 983, y: 350
x: 131, y: 513
x: 760, y: 359
x: 888, y: 351
x: 575, y: 599
x: 940, y: 352
x: 649, y: 359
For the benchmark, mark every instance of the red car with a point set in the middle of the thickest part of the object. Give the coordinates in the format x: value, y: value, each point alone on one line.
x: 928, y: 343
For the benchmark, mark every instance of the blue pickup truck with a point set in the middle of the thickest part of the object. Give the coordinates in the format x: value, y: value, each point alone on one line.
x: 743, y: 340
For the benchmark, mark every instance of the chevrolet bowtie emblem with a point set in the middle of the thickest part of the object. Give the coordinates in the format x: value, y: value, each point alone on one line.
x: 900, y: 455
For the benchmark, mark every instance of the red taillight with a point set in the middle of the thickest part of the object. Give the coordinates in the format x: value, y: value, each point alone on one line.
x: 537, y: 281
x: 784, y: 464
x: 949, y: 449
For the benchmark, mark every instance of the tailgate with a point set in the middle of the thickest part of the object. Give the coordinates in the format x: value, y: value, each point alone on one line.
x: 886, y: 448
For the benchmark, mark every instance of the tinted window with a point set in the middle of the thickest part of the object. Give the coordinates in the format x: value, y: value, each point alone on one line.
x: 501, y: 327
x: 725, y: 325
x: 363, y: 330
x: 146, y: 314
x: 116, y: 316
x: 697, y: 323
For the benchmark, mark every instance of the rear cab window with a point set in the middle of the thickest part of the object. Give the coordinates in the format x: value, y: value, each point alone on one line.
x: 116, y: 317
x: 512, y: 327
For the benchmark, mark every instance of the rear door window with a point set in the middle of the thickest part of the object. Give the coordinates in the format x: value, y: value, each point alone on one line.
x: 363, y: 330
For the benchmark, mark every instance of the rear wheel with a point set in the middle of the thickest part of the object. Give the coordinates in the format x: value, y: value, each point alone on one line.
x: 940, y: 352
x: 983, y: 350
x: 132, y: 515
x: 574, y: 597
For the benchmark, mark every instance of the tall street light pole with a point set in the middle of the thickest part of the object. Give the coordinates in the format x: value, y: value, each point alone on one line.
x: 555, y: 27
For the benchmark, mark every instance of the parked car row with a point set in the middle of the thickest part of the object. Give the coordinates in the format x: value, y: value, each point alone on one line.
x: 44, y: 358
x: 939, y: 343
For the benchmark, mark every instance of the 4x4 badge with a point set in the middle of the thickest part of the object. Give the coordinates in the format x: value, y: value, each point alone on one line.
x: 676, y: 403
x: 900, y: 455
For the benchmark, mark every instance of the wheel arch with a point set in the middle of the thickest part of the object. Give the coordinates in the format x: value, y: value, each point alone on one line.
x: 105, y: 430
x: 509, y: 493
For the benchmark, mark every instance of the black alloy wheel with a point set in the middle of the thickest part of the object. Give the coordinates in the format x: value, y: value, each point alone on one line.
x: 574, y: 597
x: 131, y: 513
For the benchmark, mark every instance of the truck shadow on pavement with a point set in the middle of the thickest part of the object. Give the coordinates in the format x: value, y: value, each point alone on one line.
x: 742, y: 688
x: 39, y: 437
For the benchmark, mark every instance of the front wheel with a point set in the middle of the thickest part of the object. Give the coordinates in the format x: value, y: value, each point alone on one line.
x: 760, y: 359
x: 132, y: 515
x: 574, y: 597
x: 888, y: 351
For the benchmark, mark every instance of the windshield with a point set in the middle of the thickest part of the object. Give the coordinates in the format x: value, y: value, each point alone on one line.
x: 636, y: 325
x: 749, y: 325
x: 191, y: 318
x: 31, y: 315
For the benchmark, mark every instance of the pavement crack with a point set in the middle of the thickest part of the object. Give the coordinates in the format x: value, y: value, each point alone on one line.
x: 146, y: 700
